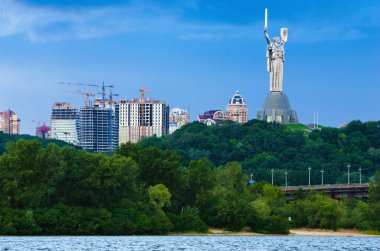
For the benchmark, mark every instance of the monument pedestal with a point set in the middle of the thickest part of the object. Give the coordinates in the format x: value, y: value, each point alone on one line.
x: 277, y: 109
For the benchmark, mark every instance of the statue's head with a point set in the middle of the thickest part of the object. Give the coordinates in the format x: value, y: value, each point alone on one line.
x: 276, y: 40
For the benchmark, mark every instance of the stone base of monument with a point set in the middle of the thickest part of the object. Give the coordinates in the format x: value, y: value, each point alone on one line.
x: 277, y: 109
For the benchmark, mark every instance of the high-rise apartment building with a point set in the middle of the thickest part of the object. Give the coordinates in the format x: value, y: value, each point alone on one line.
x: 177, y: 118
x: 99, y: 126
x: 9, y: 122
x: 237, y: 109
x: 65, y: 122
x: 141, y: 118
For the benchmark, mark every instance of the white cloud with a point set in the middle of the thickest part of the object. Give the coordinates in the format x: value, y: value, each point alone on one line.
x: 47, y: 23
x: 41, y: 24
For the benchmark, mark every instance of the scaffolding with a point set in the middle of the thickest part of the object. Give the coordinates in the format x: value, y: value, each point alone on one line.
x: 98, y: 129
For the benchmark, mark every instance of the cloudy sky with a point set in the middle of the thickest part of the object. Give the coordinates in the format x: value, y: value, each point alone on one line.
x: 193, y: 54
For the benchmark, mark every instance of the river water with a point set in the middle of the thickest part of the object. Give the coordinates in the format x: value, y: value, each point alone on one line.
x: 188, y: 243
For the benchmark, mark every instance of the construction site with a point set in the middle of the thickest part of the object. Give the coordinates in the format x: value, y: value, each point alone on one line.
x: 104, y: 123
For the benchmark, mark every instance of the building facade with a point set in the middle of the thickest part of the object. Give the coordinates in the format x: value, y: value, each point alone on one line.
x: 178, y: 118
x: 237, y: 109
x: 65, y: 122
x: 212, y: 117
x: 43, y: 132
x: 99, y: 126
x: 142, y: 118
x: 9, y: 122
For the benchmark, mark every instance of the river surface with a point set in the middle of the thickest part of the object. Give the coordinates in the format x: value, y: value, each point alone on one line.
x: 188, y: 243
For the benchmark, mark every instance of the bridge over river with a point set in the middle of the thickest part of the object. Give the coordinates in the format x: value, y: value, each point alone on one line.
x: 335, y: 191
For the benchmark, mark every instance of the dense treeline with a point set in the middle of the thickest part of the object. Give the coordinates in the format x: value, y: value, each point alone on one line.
x: 261, y: 146
x: 147, y: 190
x: 5, y: 138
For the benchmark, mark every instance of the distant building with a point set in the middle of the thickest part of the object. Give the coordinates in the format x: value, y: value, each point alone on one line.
x: 237, y: 109
x: 65, y: 122
x: 99, y: 126
x: 212, y: 117
x: 177, y: 118
x: 9, y: 122
x: 141, y: 118
x: 43, y: 132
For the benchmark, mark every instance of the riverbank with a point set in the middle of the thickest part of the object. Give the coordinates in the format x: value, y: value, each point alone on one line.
x: 293, y: 232
x: 325, y: 232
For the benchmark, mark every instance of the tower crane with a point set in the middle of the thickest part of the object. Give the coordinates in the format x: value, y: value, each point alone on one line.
x: 142, y: 92
x: 101, y: 86
x: 37, y: 121
x: 113, y: 95
x: 87, y: 94
x: 104, y: 92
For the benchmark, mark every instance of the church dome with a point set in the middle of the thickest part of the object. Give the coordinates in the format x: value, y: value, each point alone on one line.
x: 237, y: 99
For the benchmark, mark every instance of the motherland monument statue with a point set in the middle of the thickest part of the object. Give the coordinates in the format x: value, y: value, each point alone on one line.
x: 276, y: 107
x: 275, y: 56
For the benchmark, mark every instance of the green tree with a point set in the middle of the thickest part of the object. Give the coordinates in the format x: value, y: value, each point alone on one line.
x: 189, y: 221
x: 202, y: 181
x: 159, y: 196
x: 374, y: 189
x: 232, y: 210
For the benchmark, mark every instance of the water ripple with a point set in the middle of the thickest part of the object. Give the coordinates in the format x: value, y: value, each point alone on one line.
x: 108, y: 243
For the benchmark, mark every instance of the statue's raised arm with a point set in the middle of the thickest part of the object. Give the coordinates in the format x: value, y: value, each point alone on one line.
x: 266, y: 34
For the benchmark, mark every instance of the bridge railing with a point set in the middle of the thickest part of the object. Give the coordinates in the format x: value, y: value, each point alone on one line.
x: 326, y: 186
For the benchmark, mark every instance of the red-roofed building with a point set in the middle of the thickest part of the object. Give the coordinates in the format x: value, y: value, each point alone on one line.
x: 211, y: 117
x: 43, y: 132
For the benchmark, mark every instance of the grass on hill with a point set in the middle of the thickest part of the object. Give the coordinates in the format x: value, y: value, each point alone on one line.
x: 298, y: 127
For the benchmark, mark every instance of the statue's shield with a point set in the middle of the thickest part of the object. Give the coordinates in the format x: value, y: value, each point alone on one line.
x: 284, y: 34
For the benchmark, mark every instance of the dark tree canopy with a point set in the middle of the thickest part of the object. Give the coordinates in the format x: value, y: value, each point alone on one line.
x: 189, y: 181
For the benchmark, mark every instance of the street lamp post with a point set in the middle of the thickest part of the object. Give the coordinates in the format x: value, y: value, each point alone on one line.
x: 360, y: 175
x: 272, y: 175
x: 348, y: 174
x: 309, y: 168
x: 322, y: 177
x: 286, y: 179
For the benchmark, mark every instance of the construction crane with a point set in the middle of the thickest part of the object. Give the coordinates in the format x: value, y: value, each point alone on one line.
x: 142, y: 92
x: 37, y: 121
x: 113, y: 95
x: 87, y: 94
x: 68, y: 83
x: 103, y: 94
x: 101, y: 86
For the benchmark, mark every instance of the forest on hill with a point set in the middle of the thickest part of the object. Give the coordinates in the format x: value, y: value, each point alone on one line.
x: 5, y: 138
x: 156, y: 188
x: 261, y: 146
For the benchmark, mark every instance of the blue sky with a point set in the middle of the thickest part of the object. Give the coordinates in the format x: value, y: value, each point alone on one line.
x: 192, y: 54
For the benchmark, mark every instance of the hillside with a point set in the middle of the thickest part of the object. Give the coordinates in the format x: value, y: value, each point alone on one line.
x: 261, y: 146
x: 51, y: 190
x: 5, y: 138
